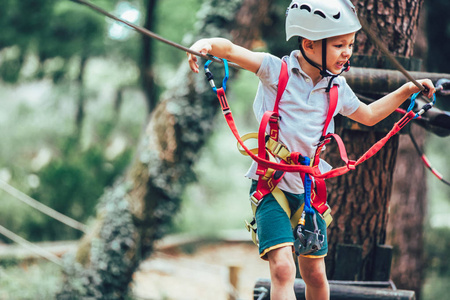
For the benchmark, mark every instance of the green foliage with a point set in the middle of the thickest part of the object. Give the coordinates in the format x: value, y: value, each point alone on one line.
x: 32, y: 281
x: 71, y: 184
x: 437, y: 243
x: 174, y: 20
x: 435, y: 287
x: 38, y: 118
x: 218, y: 200
x: 47, y: 30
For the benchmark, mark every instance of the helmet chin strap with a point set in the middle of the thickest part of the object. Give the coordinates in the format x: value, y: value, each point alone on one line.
x: 323, y: 69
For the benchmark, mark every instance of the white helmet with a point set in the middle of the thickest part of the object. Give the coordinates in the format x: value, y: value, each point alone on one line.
x: 320, y: 19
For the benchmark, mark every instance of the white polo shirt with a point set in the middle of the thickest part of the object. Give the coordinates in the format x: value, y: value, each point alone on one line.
x: 303, y: 109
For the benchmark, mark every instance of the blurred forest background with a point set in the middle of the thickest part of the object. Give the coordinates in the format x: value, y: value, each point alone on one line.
x: 74, y: 102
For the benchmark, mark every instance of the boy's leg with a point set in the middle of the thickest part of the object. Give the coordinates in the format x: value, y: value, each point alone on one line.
x: 315, y: 277
x: 282, y: 273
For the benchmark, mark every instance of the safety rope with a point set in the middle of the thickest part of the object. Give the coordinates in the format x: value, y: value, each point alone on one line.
x: 149, y: 33
x: 30, y: 246
x: 41, y: 207
x: 427, y: 162
x: 388, y: 54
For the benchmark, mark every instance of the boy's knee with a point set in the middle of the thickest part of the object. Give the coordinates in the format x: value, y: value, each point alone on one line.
x: 314, y: 277
x: 282, y: 268
x: 283, y: 271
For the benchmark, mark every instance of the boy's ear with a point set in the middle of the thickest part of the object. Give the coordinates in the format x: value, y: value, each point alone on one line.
x: 308, y: 45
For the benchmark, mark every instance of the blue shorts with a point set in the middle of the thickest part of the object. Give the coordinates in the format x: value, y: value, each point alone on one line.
x: 274, y: 228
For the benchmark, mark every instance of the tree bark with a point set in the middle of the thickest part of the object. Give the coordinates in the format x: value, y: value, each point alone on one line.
x: 137, y: 211
x: 360, y: 199
x: 409, y: 208
x: 408, y: 211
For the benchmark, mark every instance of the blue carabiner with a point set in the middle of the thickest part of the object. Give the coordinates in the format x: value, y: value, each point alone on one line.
x: 210, y: 77
x: 413, y: 102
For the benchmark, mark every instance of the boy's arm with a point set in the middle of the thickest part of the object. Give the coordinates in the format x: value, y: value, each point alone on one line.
x: 224, y: 48
x: 373, y: 113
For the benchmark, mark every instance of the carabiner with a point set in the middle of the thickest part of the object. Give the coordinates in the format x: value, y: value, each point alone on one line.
x: 424, y: 108
x: 210, y: 77
x: 307, y: 242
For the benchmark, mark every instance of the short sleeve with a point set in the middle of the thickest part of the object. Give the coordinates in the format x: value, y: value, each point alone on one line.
x: 269, y: 70
x: 348, y: 99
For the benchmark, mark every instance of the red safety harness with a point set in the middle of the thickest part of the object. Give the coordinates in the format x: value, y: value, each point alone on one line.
x: 266, y: 184
x: 271, y: 172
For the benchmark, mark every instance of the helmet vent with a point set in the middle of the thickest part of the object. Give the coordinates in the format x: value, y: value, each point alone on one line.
x: 320, y: 13
x: 295, y: 5
x: 306, y: 7
x: 337, y: 16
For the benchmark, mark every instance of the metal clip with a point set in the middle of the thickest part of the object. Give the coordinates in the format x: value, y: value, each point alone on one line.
x: 308, y: 242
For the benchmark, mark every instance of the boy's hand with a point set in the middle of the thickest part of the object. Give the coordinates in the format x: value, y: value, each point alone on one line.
x: 428, y: 84
x: 201, y: 46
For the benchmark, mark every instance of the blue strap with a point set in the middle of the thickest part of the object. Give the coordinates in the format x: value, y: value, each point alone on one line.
x: 307, y: 183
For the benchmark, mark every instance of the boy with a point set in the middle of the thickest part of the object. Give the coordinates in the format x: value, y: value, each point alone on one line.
x: 326, y: 32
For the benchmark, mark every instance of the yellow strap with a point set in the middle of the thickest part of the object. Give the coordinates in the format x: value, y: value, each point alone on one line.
x: 279, y: 150
x: 275, y: 148
x: 244, y: 138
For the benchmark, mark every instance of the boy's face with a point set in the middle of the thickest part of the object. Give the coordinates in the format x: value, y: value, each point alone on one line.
x: 339, y: 51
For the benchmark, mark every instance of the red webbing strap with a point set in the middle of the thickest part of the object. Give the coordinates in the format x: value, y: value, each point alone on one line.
x: 333, y: 100
x: 319, y: 193
x: 222, y: 100
x: 319, y: 196
x: 331, y: 108
x: 341, y: 147
x: 268, y: 115
x: 271, y: 118
x: 374, y: 149
x: 282, y: 83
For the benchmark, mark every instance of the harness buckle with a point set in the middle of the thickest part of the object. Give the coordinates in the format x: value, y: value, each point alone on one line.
x: 351, y: 164
x: 281, y: 151
x: 326, y: 216
x: 253, y: 199
x: 250, y: 226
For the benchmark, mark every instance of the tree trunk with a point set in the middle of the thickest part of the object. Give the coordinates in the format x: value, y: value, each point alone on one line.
x: 147, y: 57
x: 409, y: 207
x: 408, y: 211
x: 360, y: 199
x: 136, y: 212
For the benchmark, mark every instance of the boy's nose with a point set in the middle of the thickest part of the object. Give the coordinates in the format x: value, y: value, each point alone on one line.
x: 347, y: 53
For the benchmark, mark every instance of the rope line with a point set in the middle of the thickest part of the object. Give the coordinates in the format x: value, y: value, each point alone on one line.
x: 427, y: 162
x: 151, y: 34
x: 41, y: 207
x: 382, y: 47
x: 30, y: 246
